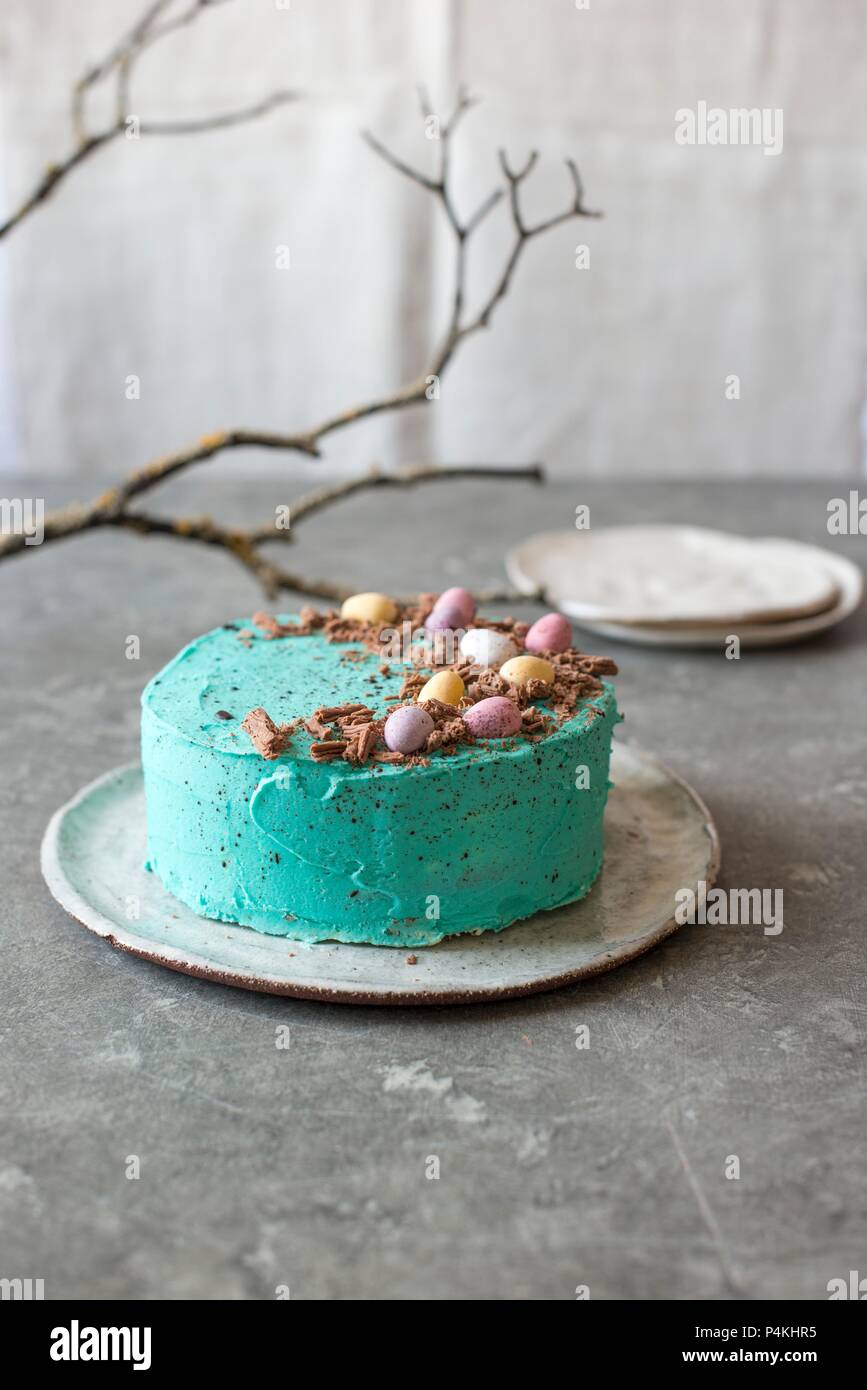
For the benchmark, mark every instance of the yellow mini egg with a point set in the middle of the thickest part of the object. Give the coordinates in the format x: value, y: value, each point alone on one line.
x: 446, y: 686
x: 527, y: 668
x: 369, y: 608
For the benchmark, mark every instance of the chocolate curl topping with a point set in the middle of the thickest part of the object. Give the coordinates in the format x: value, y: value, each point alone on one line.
x: 308, y: 621
x: 328, y: 750
x: 265, y: 736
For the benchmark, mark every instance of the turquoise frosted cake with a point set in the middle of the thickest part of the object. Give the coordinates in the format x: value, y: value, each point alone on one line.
x: 383, y: 775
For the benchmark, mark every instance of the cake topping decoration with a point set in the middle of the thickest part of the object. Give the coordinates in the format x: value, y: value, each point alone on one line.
x: 485, y: 646
x: 491, y: 688
x: 453, y: 609
x: 495, y: 717
x: 268, y: 625
x: 552, y: 633
x: 523, y: 669
x: 369, y: 608
x: 316, y: 728
x: 410, y: 686
x: 329, y: 713
x: 328, y: 750
x: 266, y: 737
x: 446, y: 686
x: 362, y: 746
x: 407, y: 729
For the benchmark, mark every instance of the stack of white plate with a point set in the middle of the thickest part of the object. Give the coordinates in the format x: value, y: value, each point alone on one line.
x: 687, y: 586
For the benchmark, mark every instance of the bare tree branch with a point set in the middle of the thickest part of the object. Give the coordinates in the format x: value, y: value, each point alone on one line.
x: 314, y: 502
x: 120, y: 63
x: 245, y: 544
x: 112, y: 508
x: 221, y: 121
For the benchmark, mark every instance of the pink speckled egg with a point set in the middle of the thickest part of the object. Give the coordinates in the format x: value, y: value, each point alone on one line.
x: 454, y: 608
x: 406, y: 729
x: 495, y: 717
x: 553, y: 633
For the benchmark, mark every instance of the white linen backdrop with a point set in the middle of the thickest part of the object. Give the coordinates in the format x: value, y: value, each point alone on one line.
x: 158, y: 256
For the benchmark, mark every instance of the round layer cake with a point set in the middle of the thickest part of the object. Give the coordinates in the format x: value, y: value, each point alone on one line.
x: 275, y: 801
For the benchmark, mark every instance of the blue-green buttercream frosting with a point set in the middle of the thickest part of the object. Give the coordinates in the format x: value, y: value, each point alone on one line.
x: 400, y: 855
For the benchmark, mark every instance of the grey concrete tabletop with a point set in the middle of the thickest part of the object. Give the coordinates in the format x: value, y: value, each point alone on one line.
x: 607, y: 1168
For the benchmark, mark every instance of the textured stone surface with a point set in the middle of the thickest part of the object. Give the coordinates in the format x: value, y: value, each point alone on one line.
x: 306, y: 1166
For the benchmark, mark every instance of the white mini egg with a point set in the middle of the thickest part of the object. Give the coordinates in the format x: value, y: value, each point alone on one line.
x: 486, y: 647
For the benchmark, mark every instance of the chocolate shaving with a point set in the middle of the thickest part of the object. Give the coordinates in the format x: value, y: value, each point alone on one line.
x: 601, y: 665
x: 267, y: 738
x: 449, y: 729
x: 535, y: 723
x: 367, y: 743
x: 438, y: 710
x: 360, y: 746
x: 316, y: 728
x: 361, y: 715
x: 268, y: 625
x: 536, y: 689
x: 489, y: 682
x: 329, y: 714
x: 327, y: 750
x: 308, y: 621
x: 359, y: 737
x: 339, y: 629
x: 412, y: 684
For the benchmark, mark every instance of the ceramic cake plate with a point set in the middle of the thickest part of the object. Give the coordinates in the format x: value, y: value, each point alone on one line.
x: 562, y: 564
x: 659, y: 838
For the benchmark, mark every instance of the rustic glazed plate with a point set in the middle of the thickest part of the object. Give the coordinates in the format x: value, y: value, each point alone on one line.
x: 659, y: 838
x: 551, y: 561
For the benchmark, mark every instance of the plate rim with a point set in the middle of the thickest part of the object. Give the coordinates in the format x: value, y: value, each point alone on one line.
x: 190, y: 963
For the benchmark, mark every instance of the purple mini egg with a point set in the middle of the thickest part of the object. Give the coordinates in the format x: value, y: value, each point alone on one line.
x: 553, y: 633
x: 454, y: 608
x: 407, y: 729
x: 495, y: 717
x: 445, y: 617
x: 460, y: 599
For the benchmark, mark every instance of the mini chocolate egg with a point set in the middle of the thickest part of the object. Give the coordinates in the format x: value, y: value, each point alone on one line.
x: 407, y: 729
x: 462, y: 599
x: 527, y: 668
x: 369, y: 608
x: 486, y: 647
x: 446, y: 686
x: 553, y: 633
x: 454, y: 608
x: 445, y: 617
x: 495, y: 717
